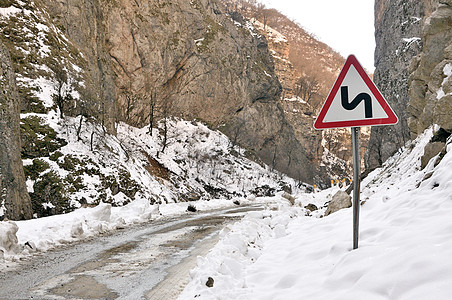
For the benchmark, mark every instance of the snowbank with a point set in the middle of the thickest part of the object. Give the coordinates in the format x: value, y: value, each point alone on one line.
x: 21, y: 238
x: 240, y: 245
x: 404, y: 251
x: 8, y: 239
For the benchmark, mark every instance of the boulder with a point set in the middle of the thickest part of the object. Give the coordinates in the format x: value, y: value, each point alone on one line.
x: 289, y: 197
x: 311, y: 207
x: 430, y: 151
x: 340, y: 200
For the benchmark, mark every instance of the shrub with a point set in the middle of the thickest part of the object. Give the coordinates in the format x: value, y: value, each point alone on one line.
x: 49, y: 189
x: 34, y: 170
x: 38, y: 140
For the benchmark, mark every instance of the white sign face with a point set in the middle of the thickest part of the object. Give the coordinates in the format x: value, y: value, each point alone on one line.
x: 354, y: 101
x: 355, y: 86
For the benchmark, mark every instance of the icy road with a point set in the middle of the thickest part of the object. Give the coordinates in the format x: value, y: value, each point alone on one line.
x: 150, y: 261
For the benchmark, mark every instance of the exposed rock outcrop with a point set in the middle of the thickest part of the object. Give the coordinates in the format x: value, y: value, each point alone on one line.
x: 431, y: 150
x: 431, y: 78
x: 413, y: 70
x: 305, y: 86
x: 13, y: 192
x: 398, y: 25
x: 190, y: 59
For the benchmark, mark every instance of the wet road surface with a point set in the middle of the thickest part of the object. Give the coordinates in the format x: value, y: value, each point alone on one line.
x: 149, y: 261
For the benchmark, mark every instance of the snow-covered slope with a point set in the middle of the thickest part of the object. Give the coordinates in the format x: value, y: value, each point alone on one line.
x: 404, y: 253
x: 85, y: 165
x: 114, y: 181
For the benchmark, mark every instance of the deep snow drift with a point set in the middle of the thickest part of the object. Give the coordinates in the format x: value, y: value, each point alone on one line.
x: 405, y: 245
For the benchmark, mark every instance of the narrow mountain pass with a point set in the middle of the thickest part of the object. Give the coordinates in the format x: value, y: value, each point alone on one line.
x: 149, y: 261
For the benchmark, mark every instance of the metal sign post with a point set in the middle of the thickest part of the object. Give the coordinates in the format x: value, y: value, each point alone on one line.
x: 354, y: 101
x: 356, y: 179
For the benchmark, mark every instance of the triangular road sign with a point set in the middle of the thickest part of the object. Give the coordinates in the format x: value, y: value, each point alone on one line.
x: 354, y: 101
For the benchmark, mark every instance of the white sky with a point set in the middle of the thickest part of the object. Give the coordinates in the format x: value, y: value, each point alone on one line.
x: 347, y: 26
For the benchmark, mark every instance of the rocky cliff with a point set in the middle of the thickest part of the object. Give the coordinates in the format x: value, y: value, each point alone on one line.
x: 14, y: 199
x: 188, y: 52
x: 431, y: 72
x: 412, y: 60
x: 305, y: 84
x: 398, y: 25
x: 142, y: 61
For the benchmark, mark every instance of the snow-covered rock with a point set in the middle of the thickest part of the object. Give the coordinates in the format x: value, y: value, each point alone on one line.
x: 340, y: 201
x: 8, y: 240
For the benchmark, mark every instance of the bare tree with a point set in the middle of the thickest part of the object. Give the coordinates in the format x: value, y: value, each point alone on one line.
x: 306, y: 87
x: 171, y: 88
x: 332, y: 141
x: 152, y: 109
x: 130, y: 101
x: 375, y: 149
x: 236, y: 131
x: 275, y: 158
x: 62, y: 86
x: 166, y: 109
x: 289, y: 152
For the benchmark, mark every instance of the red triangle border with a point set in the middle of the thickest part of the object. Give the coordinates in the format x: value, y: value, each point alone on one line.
x: 390, y: 120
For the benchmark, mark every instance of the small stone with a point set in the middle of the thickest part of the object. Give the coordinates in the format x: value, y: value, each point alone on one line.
x: 191, y: 208
x: 311, y: 207
x: 210, y: 282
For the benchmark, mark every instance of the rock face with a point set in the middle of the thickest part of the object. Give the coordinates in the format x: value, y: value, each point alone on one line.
x: 398, y: 25
x: 13, y: 192
x: 413, y: 70
x: 191, y: 60
x: 297, y: 112
x: 305, y: 86
x: 431, y: 78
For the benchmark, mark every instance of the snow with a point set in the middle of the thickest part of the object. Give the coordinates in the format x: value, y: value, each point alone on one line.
x: 49, y: 232
x: 295, y: 99
x: 250, y: 26
x: 276, y: 56
x: 286, y: 252
x: 6, y: 11
x: 410, y: 41
x: 272, y: 34
x: 46, y: 90
x: 447, y: 70
x: 404, y: 248
x: 198, y: 42
x: 195, y: 157
x: 266, y: 74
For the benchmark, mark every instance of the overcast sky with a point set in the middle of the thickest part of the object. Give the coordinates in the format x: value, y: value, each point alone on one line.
x: 345, y: 25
